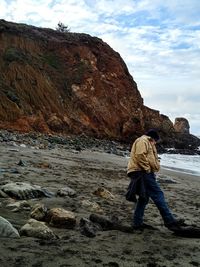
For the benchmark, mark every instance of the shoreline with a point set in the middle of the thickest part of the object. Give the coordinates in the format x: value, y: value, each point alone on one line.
x: 178, y: 171
x: 180, y: 175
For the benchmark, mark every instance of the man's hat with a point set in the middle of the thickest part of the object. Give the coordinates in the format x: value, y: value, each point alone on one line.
x: 153, y: 134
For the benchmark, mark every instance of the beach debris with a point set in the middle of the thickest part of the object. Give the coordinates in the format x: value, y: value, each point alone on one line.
x: 59, y: 217
x: 66, y: 191
x: 166, y: 180
x: 14, y: 149
x: 39, y: 212
x: 20, y: 190
x: 19, y: 205
x: 104, y: 193
x: 22, y: 145
x: 34, y: 228
x: 42, y: 165
x: 21, y: 163
x: 7, y: 230
x: 88, y: 228
x: 9, y: 170
x: 91, y: 206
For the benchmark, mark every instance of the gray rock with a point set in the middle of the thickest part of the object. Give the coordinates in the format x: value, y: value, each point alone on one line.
x: 88, y: 228
x: 19, y: 205
x: 39, y: 212
x: 34, y: 228
x: 7, y: 230
x: 3, y: 195
x: 66, y: 191
x: 92, y: 206
x: 104, y: 222
x: 19, y: 190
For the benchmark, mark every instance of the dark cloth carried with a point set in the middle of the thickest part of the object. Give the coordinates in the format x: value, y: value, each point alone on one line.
x: 136, y: 186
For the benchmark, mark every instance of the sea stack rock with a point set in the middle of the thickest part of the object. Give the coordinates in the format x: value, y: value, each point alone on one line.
x: 181, y: 125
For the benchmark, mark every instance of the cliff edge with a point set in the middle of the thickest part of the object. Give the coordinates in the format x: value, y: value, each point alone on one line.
x: 69, y: 83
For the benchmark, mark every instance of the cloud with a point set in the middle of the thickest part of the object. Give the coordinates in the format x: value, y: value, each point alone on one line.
x: 158, y: 40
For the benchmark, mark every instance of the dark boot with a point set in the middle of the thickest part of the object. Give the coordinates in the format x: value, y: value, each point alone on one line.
x: 176, y: 225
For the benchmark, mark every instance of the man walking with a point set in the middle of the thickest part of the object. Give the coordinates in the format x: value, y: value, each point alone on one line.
x: 142, y: 166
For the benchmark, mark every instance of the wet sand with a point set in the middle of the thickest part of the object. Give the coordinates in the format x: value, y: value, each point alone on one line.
x: 85, y: 171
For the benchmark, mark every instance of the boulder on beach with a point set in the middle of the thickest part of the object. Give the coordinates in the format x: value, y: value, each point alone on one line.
x: 104, y: 193
x: 7, y: 230
x: 39, y: 212
x: 88, y: 228
x: 34, y: 228
x: 103, y: 221
x: 61, y: 218
x: 20, y: 190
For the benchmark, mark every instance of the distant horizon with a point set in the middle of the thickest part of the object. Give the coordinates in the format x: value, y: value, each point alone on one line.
x: 158, y: 40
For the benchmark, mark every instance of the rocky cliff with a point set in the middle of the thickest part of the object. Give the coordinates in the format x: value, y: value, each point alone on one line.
x: 69, y: 83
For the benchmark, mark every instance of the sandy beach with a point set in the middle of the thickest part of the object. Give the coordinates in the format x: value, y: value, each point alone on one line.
x: 85, y: 171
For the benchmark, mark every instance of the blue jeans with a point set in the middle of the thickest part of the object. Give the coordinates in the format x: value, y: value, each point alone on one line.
x: 154, y: 192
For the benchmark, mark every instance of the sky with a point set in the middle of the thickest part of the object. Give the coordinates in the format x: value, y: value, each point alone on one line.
x: 159, y: 40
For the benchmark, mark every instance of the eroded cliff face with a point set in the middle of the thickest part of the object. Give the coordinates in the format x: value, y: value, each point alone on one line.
x: 69, y: 83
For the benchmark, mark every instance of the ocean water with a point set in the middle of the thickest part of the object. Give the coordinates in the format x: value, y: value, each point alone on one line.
x: 181, y: 163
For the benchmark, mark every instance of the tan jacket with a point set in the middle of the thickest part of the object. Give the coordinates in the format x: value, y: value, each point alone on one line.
x: 144, y: 156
